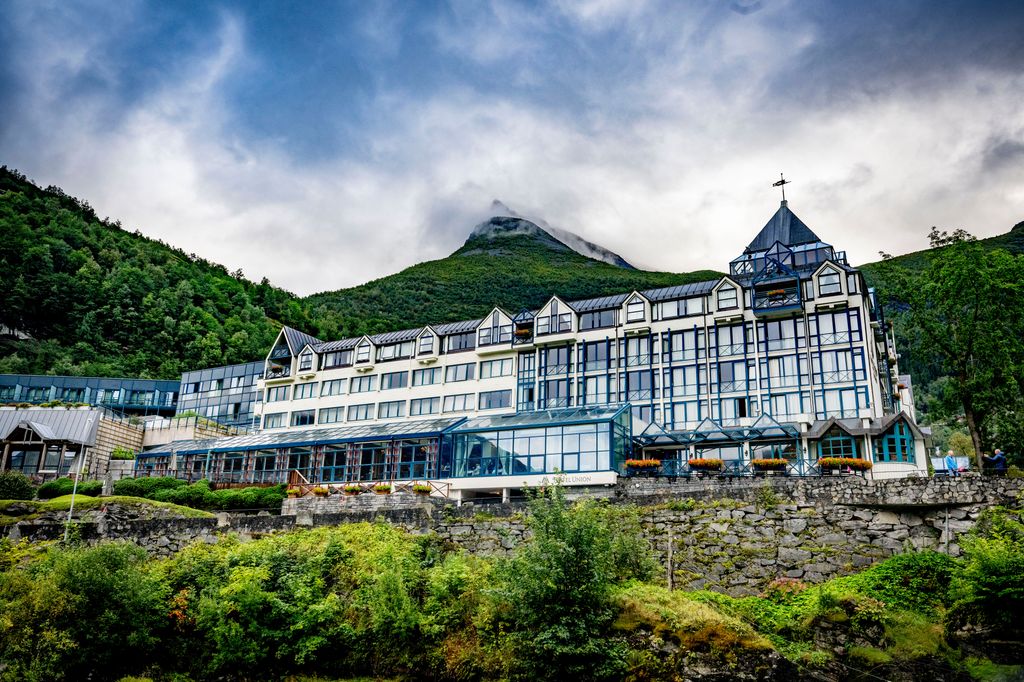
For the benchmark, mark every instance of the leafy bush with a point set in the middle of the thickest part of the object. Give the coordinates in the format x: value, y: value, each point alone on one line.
x: 64, y: 486
x: 120, y: 453
x: 145, y: 487
x: 199, y: 496
x: 990, y: 588
x: 14, y: 485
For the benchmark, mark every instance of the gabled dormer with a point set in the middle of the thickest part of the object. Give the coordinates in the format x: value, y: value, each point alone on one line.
x: 636, y: 309
x: 307, y: 360
x: 727, y: 297
x: 828, y: 280
x: 364, y: 354
x: 279, y: 359
x: 495, y: 329
x: 555, y: 317
x: 427, y: 343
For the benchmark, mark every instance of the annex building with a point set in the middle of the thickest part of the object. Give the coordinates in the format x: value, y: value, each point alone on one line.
x: 788, y: 357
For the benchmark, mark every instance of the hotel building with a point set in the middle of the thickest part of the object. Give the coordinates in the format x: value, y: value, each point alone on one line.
x: 786, y: 357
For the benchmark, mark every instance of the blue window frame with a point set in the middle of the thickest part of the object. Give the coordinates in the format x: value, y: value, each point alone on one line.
x: 895, y: 445
x: 838, y: 443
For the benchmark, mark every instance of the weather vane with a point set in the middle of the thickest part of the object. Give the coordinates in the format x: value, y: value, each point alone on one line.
x: 782, y: 182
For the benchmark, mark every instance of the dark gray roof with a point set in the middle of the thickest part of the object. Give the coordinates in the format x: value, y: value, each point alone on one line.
x: 342, y: 344
x: 600, y: 303
x: 396, y: 337
x: 73, y: 426
x: 681, y: 291
x: 296, y: 339
x: 783, y: 227
x: 456, y: 327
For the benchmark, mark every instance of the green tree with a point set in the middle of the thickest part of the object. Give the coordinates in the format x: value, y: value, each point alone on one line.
x: 965, y: 318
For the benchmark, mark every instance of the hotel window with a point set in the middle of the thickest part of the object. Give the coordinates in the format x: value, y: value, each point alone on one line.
x: 732, y: 376
x: 277, y: 394
x: 635, y: 310
x: 305, y: 362
x: 596, y: 356
x: 363, y: 384
x: 454, y: 373
x: 496, y: 368
x: 598, y: 319
x: 837, y: 443
x: 829, y: 283
x: 557, y: 393
x: 303, y: 417
x: 332, y: 415
x: 421, y: 406
x: 332, y: 387
x: 638, y: 351
x: 426, y: 377
x: 852, y: 285
x: 682, y: 308
x: 843, y: 402
x: 688, y: 414
x: 461, y: 342
x: 555, y: 322
x: 426, y: 344
x: 360, y: 413
x: 784, y: 371
x: 786, y: 406
x: 458, y: 403
x: 639, y: 385
x: 727, y: 298
x: 363, y: 352
x: 273, y: 421
x: 395, y: 351
x: 687, y: 381
x: 830, y: 328
x: 896, y: 445
x: 685, y: 346
x: 732, y: 340
x: 556, y: 360
x: 391, y: 410
x: 341, y: 358
x: 595, y: 390
x: 394, y: 380
x: 493, y: 400
x: 838, y: 366
x: 305, y: 391
x: 781, y: 334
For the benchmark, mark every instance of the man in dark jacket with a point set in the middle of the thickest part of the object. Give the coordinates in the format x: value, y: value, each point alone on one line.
x: 997, y: 463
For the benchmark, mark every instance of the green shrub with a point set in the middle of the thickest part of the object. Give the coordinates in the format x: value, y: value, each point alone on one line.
x: 65, y: 486
x: 121, y: 453
x: 145, y: 487
x: 990, y: 588
x: 14, y: 485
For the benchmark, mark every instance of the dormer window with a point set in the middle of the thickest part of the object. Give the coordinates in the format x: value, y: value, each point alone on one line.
x: 426, y: 345
x: 555, y: 322
x: 635, y: 310
x: 341, y: 358
x: 829, y: 283
x: 727, y: 298
x: 363, y: 352
x: 495, y: 332
x: 305, y: 361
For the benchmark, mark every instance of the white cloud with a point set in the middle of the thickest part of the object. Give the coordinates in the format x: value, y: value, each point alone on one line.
x: 681, y: 183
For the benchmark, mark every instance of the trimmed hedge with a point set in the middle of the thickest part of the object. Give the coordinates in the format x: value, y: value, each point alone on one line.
x: 199, y: 495
x: 64, y: 486
x: 145, y: 487
x: 14, y: 485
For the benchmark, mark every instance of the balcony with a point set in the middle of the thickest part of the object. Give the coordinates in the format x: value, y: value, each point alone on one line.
x: 278, y: 372
x: 777, y: 297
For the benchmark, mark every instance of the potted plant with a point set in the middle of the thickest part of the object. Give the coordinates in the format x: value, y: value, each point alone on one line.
x: 643, y: 467
x: 352, y: 489
x: 294, y: 492
x: 703, y: 466
x: 839, y: 465
x: 421, y: 488
x: 769, y: 466
x: 382, y: 488
x: 321, y: 491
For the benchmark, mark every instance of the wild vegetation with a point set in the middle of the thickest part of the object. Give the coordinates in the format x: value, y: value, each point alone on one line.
x: 581, y: 600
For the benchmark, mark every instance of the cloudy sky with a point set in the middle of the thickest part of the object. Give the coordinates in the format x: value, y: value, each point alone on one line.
x: 325, y: 144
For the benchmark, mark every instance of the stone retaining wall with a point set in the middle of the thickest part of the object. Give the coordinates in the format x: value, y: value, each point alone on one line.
x: 734, y: 538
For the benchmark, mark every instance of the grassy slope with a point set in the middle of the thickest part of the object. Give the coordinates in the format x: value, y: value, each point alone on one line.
x: 85, y: 502
x: 511, y: 272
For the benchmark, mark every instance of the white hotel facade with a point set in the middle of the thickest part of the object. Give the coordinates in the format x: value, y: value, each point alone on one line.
x: 787, y: 357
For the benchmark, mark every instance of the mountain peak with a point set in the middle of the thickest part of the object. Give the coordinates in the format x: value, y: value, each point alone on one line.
x: 506, y: 222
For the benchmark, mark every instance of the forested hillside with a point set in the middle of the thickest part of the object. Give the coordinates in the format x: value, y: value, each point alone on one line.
x: 97, y: 300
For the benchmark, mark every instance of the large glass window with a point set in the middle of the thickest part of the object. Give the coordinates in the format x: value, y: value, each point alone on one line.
x: 575, y: 448
x: 838, y: 443
x: 554, y: 322
x: 732, y: 376
x: 394, y: 380
x: 363, y: 352
x: 493, y: 400
x: 727, y: 298
x: 731, y: 340
x: 461, y: 342
x: 454, y: 373
x: 363, y: 384
x: 684, y: 346
x: 395, y: 351
x: 556, y: 360
x: 829, y: 283
x: 895, y: 445
x: 426, y: 345
x: 781, y: 335
x: 639, y: 385
x: 598, y: 319
x: 358, y: 413
x: 341, y: 358
x: 333, y: 387
x: 668, y: 310
x: 638, y: 351
x: 421, y: 406
x: 307, y: 390
x: 844, y: 402
x: 835, y: 327
x: 391, y: 409
x: 784, y: 371
x: 786, y: 406
x: 596, y: 356
x: 305, y: 362
x: 277, y: 394
x: 496, y: 368
x: 689, y: 381
x: 458, y: 403
x: 303, y: 417
x: 688, y: 414
x: 556, y: 393
x: 331, y: 415
x: 494, y: 331
x: 273, y: 421
x: 426, y: 377
x: 598, y: 390
x: 838, y: 366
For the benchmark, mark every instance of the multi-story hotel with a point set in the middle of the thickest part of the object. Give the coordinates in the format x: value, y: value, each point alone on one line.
x: 787, y: 357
